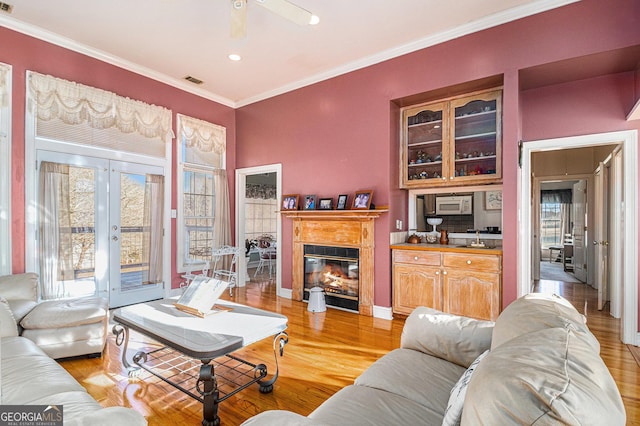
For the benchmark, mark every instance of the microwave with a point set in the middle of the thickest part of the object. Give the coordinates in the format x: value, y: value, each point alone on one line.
x: 455, y: 204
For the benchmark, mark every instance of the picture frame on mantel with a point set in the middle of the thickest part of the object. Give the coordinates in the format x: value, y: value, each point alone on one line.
x: 362, y: 200
x: 309, y: 202
x: 493, y: 200
x: 325, y: 204
x: 290, y: 202
x: 342, y: 202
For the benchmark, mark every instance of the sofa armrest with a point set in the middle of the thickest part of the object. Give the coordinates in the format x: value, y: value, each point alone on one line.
x: 281, y: 418
x: 108, y: 417
x: 19, y: 286
x: 451, y: 337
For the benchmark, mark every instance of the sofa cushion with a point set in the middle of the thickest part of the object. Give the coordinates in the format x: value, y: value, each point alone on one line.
x: 19, y: 286
x: 549, y: 376
x: 403, y: 372
x: 66, y: 313
x: 537, y: 311
x: 453, y: 413
x: 451, y: 337
x: 365, y: 406
x: 19, y: 347
x: 8, y: 326
x: 21, y: 307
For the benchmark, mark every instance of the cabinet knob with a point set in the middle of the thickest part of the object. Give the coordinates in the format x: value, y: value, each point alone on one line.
x: 437, y: 272
x: 415, y: 258
x: 444, y: 178
x: 468, y: 262
x: 451, y: 177
x: 444, y: 272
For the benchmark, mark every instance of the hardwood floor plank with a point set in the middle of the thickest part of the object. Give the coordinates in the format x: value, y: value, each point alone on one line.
x: 326, y: 351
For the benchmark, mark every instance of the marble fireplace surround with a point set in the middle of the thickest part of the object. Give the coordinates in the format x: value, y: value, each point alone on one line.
x: 340, y: 228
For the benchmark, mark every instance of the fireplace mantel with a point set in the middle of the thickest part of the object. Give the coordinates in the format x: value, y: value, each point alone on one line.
x: 340, y: 228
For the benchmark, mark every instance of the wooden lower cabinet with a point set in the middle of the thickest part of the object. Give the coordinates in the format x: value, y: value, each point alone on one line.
x: 474, y: 295
x: 466, y: 284
x: 416, y: 286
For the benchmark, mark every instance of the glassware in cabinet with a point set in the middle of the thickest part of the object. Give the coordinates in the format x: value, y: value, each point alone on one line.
x: 424, y: 137
x: 476, y: 136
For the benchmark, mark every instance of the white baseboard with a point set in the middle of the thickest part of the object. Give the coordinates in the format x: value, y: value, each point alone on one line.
x: 287, y: 293
x: 382, y: 312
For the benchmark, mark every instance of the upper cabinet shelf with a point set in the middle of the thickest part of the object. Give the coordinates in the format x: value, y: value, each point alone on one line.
x: 455, y: 141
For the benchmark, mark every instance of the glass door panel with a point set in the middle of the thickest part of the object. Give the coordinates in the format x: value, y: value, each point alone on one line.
x: 476, y: 138
x: 131, y: 236
x: 425, y: 129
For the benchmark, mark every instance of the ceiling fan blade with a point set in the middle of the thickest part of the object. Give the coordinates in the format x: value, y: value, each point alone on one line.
x: 287, y: 10
x: 238, y: 18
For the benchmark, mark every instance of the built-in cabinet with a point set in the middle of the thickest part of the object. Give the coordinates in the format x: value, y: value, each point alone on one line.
x: 459, y: 281
x: 457, y: 141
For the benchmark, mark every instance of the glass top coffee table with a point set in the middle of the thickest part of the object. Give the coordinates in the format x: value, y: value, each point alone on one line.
x: 204, y: 345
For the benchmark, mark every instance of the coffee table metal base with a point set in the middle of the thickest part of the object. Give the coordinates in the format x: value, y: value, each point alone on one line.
x: 211, y: 381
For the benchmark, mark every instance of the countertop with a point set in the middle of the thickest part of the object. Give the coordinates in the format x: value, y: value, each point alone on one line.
x: 447, y: 248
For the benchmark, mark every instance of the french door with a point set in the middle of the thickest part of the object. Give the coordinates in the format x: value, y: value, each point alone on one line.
x: 115, y: 223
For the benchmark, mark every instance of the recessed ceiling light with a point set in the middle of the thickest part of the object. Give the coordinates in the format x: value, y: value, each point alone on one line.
x: 235, y: 57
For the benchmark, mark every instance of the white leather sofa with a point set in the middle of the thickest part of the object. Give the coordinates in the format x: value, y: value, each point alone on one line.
x: 28, y: 376
x: 61, y: 328
x: 539, y: 364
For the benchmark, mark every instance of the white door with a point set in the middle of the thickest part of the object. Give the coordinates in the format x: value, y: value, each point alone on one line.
x: 130, y: 271
x: 580, y: 230
x: 103, y: 202
x: 600, y: 236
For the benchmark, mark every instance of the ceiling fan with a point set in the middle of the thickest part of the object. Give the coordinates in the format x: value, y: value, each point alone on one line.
x: 283, y: 8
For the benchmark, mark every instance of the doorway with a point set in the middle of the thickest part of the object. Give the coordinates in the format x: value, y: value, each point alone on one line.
x: 103, y: 220
x: 258, y: 191
x: 628, y: 222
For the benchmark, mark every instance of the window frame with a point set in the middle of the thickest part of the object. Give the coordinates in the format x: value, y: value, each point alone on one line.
x: 5, y: 175
x: 182, y: 265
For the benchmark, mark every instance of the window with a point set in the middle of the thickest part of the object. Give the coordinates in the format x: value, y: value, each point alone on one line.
x: 550, y: 225
x: 198, y: 214
x: 202, y: 148
x: 5, y: 169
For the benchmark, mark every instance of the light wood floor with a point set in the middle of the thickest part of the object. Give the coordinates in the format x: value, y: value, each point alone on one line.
x: 326, y: 352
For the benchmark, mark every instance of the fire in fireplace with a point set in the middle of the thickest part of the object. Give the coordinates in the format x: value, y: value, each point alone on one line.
x: 335, y: 269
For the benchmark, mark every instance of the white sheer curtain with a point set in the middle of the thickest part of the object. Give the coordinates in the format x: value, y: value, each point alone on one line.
x: 222, y: 221
x: 153, y: 222
x: 56, y: 257
x: 565, y: 221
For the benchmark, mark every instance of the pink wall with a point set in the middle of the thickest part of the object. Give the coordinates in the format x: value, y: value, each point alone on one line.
x: 27, y: 53
x: 341, y: 135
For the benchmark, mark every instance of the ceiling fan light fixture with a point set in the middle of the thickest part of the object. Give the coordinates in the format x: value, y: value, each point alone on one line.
x: 288, y: 10
x: 235, y: 57
x: 314, y: 20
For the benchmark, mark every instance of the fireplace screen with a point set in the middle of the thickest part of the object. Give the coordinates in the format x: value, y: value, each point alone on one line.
x: 335, y: 269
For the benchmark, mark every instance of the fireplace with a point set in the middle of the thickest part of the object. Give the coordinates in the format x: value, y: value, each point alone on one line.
x: 336, y: 271
x: 346, y: 229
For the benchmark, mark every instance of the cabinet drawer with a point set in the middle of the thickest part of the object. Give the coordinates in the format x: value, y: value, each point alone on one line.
x: 476, y: 262
x: 416, y: 257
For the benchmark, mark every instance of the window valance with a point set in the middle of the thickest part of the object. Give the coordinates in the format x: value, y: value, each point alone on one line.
x: 204, y: 136
x: 74, y: 103
x: 265, y: 192
x: 559, y: 196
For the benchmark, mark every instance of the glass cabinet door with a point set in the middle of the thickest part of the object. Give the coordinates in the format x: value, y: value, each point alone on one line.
x: 476, y: 136
x: 425, y: 135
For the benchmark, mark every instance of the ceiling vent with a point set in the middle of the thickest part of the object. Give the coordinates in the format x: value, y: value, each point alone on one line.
x: 5, y: 7
x: 193, y: 80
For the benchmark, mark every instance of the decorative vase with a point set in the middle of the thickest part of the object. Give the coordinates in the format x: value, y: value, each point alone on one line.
x: 444, y: 237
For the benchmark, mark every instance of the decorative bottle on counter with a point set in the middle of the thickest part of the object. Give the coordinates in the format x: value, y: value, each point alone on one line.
x: 444, y: 237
